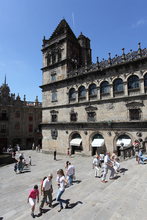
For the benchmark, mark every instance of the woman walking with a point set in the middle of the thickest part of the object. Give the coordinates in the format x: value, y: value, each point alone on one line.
x: 34, y: 193
x: 62, y: 182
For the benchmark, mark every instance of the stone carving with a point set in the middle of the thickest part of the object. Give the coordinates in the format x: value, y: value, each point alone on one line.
x: 54, y: 134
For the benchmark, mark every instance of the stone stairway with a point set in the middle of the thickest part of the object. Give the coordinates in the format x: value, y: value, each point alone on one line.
x: 124, y: 198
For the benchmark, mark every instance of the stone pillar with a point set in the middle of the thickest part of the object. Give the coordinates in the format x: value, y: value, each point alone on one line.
x: 125, y: 89
x: 98, y: 93
x: 111, y: 91
x: 142, y: 86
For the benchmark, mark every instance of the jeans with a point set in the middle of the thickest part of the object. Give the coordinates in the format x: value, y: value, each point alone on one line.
x: 70, y: 179
x: 106, y: 171
x: 58, y: 198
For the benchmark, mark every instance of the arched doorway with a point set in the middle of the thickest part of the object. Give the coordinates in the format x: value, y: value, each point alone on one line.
x: 97, y: 144
x: 122, y: 141
x: 76, y: 143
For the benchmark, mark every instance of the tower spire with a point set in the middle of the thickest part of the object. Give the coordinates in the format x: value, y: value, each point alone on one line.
x: 5, y: 80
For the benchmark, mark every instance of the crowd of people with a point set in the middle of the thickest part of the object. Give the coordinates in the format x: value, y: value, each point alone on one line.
x: 63, y: 181
x: 21, y: 163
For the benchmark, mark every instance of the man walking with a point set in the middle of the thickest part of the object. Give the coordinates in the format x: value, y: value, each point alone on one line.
x: 47, y: 191
x: 97, y: 165
x: 107, y: 165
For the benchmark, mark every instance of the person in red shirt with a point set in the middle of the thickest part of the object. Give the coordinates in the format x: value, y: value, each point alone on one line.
x: 33, y: 195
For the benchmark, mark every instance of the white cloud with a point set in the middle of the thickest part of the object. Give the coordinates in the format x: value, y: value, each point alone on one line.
x: 139, y: 23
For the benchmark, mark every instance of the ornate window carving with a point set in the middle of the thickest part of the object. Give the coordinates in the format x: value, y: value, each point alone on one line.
x: 134, y: 114
x: 54, y: 116
x: 133, y: 82
x: 54, y: 134
x: 104, y: 88
x: 118, y: 86
x: 53, y: 76
x: 91, y: 116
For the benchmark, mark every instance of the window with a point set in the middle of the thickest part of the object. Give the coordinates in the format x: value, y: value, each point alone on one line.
x: 30, y: 117
x: 30, y: 128
x: 118, y: 85
x: 3, y: 128
x: 91, y: 116
x: 54, y: 96
x: 133, y: 82
x: 105, y: 88
x: 48, y: 60
x: 17, y: 126
x: 53, y: 58
x: 17, y: 114
x: 53, y: 77
x: 92, y: 90
x: 134, y: 114
x: 73, y: 116
x: 145, y: 80
x: 82, y: 92
x: 59, y: 55
x: 4, y: 115
x: 54, y: 118
x: 72, y: 94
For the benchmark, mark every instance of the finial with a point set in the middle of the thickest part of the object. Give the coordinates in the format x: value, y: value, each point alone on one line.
x: 5, y: 80
x: 109, y: 59
x: 139, y: 49
x: 123, y: 54
x: 97, y: 60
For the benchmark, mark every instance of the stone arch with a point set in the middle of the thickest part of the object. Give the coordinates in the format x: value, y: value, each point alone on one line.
x: 97, y: 143
x: 126, y: 138
x: 75, y: 142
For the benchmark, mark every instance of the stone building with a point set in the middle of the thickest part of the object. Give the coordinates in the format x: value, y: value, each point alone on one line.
x: 87, y: 106
x: 19, y: 120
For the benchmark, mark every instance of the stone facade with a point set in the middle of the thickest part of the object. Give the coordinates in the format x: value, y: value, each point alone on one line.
x: 19, y: 120
x: 85, y: 102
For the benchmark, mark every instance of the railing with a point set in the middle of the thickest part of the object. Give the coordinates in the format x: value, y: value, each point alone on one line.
x: 127, y: 152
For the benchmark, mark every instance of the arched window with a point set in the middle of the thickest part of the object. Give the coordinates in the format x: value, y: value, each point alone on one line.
x: 82, y: 92
x: 133, y: 82
x: 105, y: 88
x: 72, y: 94
x: 118, y: 85
x: 145, y: 80
x: 92, y: 90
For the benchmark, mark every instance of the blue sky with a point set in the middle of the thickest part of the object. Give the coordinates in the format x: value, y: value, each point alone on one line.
x: 110, y: 24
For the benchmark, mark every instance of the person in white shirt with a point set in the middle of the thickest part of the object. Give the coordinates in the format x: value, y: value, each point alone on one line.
x: 107, y: 165
x: 97, y: 166
x: 47, y: 191
x: 70, y: 173
x: 61, y: 184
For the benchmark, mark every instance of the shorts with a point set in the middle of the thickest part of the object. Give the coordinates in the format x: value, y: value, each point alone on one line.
x: 32, y: 201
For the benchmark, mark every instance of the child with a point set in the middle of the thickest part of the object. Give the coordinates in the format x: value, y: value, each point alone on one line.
x: 34, y: 193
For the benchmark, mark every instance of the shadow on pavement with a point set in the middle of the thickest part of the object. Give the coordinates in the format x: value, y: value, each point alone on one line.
x: 72, y: 205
